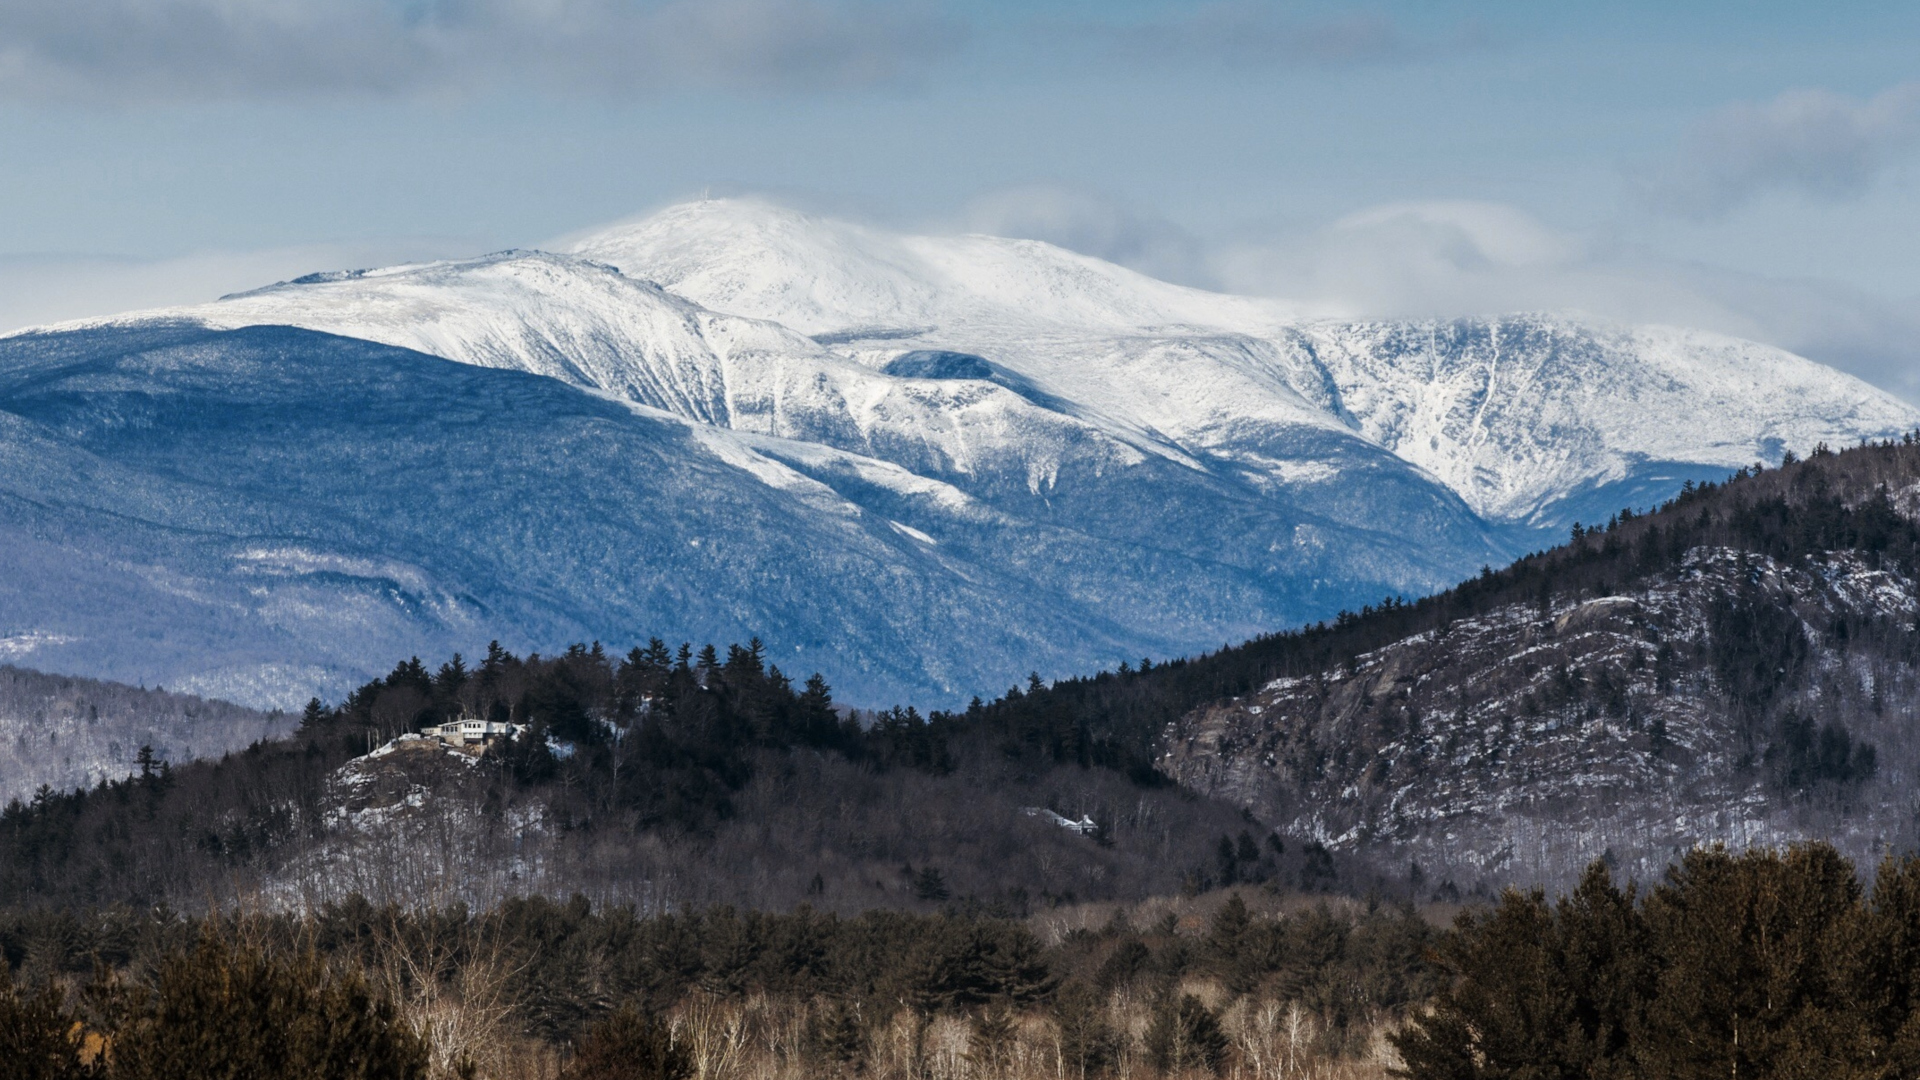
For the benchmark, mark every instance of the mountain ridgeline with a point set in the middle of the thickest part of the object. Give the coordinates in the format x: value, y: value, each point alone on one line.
x: 62, y: 731
x: 733, y: 419
x: 1831, y: 503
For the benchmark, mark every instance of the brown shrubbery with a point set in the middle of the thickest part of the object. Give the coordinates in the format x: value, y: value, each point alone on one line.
x: 563, y: 992
x: 1761, y: 965
x: 223, y: 1009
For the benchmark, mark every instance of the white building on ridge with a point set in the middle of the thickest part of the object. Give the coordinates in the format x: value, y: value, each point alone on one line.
x: 472, y: 732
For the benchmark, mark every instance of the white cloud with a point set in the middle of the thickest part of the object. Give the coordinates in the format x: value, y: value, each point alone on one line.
x: 1092, y: 224
x: 1445, y: 259
x: 1815, y: 142
x: 144, y: 50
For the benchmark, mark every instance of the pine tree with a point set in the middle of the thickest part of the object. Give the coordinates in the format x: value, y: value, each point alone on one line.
x: 1184, y: 1035
x: 929, y: 884
x: 990, y: 1041
x: 224, y: 1010
x: 1087, y: 1041
x: 1753, y: 954
x: 1508, y: 1008
x: 834, y: 1037
x: 629, y: 1045
x: 1888, y: 968
x: 815, y: 720
x: 39, y: 1038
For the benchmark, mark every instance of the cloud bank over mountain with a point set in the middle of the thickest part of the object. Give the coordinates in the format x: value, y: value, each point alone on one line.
x: 1811, y: 141
x: 1446, y: 258
x: 1415, y: 260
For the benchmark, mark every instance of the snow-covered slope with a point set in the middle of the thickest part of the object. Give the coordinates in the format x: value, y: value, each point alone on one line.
x: 1533, y: 420
x: 1545, y: 421
x: 266, y: 513
x: 1057, y: 442
x: 969, y: 457
x: 584, y: 323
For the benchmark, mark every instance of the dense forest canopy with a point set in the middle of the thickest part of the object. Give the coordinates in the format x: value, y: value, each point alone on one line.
x: 1762, y: 964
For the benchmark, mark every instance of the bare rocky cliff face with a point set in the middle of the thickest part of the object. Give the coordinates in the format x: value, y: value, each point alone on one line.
x: 1730, y: 695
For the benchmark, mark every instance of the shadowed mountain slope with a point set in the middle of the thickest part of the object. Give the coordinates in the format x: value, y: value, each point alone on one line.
x: 256, y: 513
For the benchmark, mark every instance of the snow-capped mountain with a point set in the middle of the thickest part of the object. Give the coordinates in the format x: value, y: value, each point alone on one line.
x: 265, y: 513
x: 832, y: 278
x: 931, y: 464
x: 1531, y: 419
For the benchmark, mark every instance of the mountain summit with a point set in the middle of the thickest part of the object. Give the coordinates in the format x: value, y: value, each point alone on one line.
x: 1529, y: 418
x: 924, y: 465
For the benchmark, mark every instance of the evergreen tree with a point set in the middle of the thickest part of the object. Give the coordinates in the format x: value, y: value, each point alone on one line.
x: 1754, y: 954
x: 1087, y: 1041
x: 834, y: 1038
x: 223, y: 1010
x: 1185, y: 1035
x: 40, y: 1039
x: 629, y: 1045
x: 990, y: 1041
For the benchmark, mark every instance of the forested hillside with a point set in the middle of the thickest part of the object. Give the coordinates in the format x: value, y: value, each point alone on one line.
x: 1829, y: 502
x: 661, y: 779
x: 67, y: 732
x: 1738, y: 666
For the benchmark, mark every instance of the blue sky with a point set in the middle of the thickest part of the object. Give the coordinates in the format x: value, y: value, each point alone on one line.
x: 1749, y: 167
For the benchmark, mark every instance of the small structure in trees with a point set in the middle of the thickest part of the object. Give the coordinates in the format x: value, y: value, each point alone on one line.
x: 1085, y: 826
x: 472, y: 733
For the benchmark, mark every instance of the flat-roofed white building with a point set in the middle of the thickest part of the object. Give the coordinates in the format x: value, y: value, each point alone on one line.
x: 471, y: 731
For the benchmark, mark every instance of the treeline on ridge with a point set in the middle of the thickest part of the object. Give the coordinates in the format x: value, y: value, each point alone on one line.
x: 655, y: 742
x: 1831, y: 501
